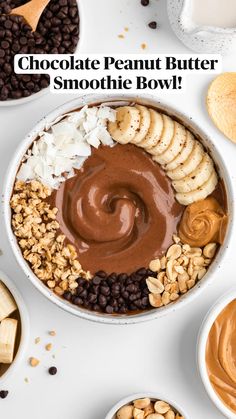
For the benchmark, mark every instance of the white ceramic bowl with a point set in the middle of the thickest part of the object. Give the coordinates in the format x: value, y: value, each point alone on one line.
x: 10, y: 178
x: 35, y: 96
x: 200, y: 38
x: 201, y: 351
x: 25, y: 328
x: 154, y: 396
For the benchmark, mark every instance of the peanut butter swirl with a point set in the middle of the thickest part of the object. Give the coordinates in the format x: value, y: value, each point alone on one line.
x: 221, y: 355
x: 119, y: 210
x: 203, y: 222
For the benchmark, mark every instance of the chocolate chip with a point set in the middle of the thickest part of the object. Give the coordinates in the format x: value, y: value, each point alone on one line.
x: 92, y: 298
x: 78, y: 301
x: 102, y: 301
x: 5, y: 44
x: 144, y: 2
x: 67, y: 295
x: 52, y: 370
x: 80, y: 281
x: 97, y: 280
x: 105, y: 290
x: 152, y: 25
x: 102, y: 274
x: 3, y: 394
x: 125, y: 295
x: 150, y: 273
x: 131, y: 288
x: 141, y: 271
x: 109, y: 309
x: 84, y: 294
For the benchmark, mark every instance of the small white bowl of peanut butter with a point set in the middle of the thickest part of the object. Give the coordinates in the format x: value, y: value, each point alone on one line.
x: 217, y: 356
x: 146, y: 405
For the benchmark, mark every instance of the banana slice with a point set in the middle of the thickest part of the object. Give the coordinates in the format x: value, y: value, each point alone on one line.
x: 201, y: 193
x: 184, y: 154
x: 8, y: 328
x: 7, y: 302
x: 175, y: 147
x: 190, y: 164
x: 196, y: 178
x: 155, y: 130
x: 145, y: 120
x: 166, y: 137
x: 127, y: 123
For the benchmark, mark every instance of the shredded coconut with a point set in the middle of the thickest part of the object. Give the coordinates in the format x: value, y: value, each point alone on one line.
x: 65, y: 145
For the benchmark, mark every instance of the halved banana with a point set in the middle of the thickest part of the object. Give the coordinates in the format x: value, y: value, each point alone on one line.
x: 183, y: 155
x: 126, y: 124
x: 189, y: 165
x: 145, y: 120
x: 155, y: 130
x: 8, y: 329
x: 166, y: 137
x: 175, y: 147
x: 201, y: 193
x: 196, y: 178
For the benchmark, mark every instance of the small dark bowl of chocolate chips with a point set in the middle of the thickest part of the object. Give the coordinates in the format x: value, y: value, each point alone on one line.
x: 58, y: 32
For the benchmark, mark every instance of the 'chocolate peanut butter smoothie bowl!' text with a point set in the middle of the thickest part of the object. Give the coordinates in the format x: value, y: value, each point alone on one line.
x: 118, y: 209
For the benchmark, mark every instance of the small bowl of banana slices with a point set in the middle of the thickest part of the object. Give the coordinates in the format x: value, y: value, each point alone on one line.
x: 14, y: 328
x: 118, y: 208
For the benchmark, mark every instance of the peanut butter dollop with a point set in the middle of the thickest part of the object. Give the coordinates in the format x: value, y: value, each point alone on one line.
x: 119, y: 210
x: 203, y: 222
x: 221, y: 355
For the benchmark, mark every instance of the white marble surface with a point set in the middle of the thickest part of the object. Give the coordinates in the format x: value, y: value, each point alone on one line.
x: 98, y: 364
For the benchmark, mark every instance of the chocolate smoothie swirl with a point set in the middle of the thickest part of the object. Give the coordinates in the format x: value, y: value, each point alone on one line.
x: 119, y: 210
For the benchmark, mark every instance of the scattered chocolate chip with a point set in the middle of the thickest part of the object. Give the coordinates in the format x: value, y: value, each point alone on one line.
x: 152, y: 25
x: 144, y: 2
x: 52, y: 370
x: 3, y: 394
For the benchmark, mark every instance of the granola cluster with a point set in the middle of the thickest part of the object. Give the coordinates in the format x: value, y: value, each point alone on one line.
x: 35, y: 226
x: 178, y: 271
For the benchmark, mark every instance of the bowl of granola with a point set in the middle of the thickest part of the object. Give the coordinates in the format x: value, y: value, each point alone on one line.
x: 118, y: 209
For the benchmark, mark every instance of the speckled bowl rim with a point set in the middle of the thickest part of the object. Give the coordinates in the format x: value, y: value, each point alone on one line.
x: 208, y: 321
x: 106, y: 318
x: 38, y: 95
x: 155, y: 396
x: 25, y: 328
